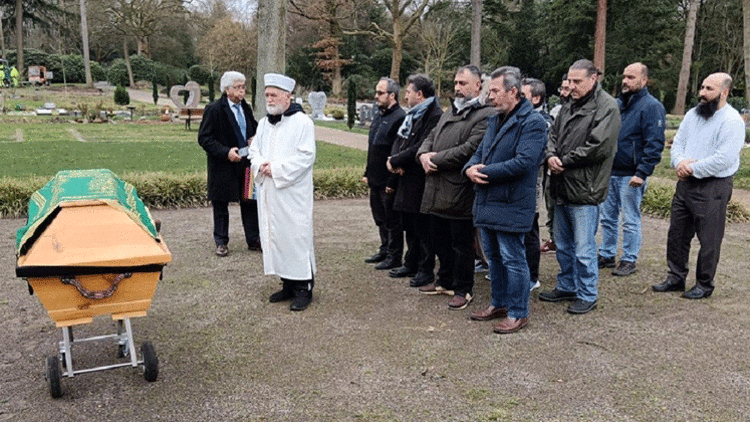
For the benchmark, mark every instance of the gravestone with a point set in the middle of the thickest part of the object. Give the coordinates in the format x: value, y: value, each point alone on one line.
x: 366, y: 113
x: 193, y: 100
x: 317, y: 101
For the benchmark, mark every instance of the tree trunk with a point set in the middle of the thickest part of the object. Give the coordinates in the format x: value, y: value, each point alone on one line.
x: 600, y: 35
x: 687, y: 58
x: 85, y: 37
x: 398, y: 45
x: 126, y: 54
x: 272, y: 36
x: 476, y: 32
x: 19, y: 39
x: 746, y: 45
x: 2, y: 37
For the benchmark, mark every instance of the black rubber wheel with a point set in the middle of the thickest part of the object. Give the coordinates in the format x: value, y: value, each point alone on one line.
x: 150, y: 362
x: 53, y: 375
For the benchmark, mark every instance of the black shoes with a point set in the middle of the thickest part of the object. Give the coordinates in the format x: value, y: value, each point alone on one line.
x: 388, y: 263
x: 555, y: 295
x: 255, y: 246
x: 625, y: 268
x: 421, y: 279
x: 281, y: 295
x: 580, y: 307
x: 606, y: 262
x: 301, y: 301
x: 378, y: 257
x: 669, y: 286
x: 697, y: 293
x: 402, y: 271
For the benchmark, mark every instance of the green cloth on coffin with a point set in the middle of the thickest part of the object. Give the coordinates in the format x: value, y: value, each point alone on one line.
x: 81, y: 185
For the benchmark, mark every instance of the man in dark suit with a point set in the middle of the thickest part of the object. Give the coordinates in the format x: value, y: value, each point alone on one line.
x: 227, y: 126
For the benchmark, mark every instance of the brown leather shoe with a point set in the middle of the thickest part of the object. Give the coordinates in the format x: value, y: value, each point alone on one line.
x: 510, y: 325
x: 489, y: 313
x: 222, y: 250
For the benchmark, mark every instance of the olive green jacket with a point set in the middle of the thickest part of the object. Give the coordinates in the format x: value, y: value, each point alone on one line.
x: 586, y: 143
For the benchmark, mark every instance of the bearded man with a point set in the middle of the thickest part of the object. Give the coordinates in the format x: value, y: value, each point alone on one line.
x: 705, y: 154
x: 282, y: 157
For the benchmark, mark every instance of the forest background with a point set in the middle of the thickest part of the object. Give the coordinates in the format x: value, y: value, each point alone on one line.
x: 331, y: 43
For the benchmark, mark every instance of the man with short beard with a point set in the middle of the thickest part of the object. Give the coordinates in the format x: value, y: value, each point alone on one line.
x: 282, y: 157
x: 639, y: 149
x: 448, y: 194
x: 380, y: 142
x: 580, y: 150
x: 705, y: 154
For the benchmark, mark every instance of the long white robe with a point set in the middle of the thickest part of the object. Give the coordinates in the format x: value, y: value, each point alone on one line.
x: 285, y: 201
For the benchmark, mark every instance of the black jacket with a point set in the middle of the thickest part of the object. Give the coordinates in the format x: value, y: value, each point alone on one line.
x: 641, y: 137
x: 410, y: 186
x: 382, y: 135
x: 218, y: 134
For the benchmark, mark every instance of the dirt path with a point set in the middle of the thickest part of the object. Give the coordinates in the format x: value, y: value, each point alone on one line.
x: 372, y: 349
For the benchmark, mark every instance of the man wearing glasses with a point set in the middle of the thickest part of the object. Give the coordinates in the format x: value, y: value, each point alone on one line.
x: 227, y: 126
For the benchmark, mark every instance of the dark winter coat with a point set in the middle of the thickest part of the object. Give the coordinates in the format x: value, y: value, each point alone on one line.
x: 410, y: 186
x: 447, y: 192
x: 641, y: 139
x: 218, y: 134
x: 586, y: 143
x: 382, y: 135
x: 512, y: 154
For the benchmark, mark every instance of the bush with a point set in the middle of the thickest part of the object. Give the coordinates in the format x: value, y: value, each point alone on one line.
x: 658, y: 202
x: 339, y: 183
x: 337, y: 114
x: 121, y: 96
x: 199, y: 74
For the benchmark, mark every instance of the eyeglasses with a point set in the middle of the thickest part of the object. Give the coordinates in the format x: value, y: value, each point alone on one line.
x: 380, y: 92
x: 238, y: 87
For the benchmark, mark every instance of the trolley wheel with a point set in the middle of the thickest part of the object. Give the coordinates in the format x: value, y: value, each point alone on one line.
x: 150, y: 362
x: 53, y: 375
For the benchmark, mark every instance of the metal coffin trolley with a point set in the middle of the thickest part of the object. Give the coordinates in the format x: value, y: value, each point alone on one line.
x: 90, y: 247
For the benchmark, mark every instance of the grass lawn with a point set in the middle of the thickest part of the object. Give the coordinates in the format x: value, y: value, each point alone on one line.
x: 741, y: 178
x: 123, y: 147
x: 341, y: 125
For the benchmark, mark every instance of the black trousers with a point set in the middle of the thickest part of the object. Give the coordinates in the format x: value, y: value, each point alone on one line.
x: 531, y: 242
x: 419, y: 255
x: 699, y: 207
x: 388, y: 221
x: 453, y: 243
x: 249, y: 213
x: 299, y: 287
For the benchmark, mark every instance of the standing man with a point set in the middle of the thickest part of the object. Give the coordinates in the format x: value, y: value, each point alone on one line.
x: 382, y: 135
x: 705, y: 154
x: 282, y: 158
x: 535, y: 91
x: 638, y: 152
x: 227, y: 126
x: 448, y: 194
x: 580, y: 150
x: 504, y: 170
x: 423, y: 115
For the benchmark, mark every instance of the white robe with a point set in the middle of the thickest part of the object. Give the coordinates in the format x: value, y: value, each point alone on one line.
x: 285, y: 201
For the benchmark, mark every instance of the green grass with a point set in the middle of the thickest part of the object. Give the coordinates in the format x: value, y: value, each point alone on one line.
x: 341, y: 125
x: 741, y: 178
x: 123, y: 147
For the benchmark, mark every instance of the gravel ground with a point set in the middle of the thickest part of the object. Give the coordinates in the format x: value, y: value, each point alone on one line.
x: 372, y: 349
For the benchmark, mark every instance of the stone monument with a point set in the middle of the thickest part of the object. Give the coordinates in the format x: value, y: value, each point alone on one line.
x: 193, y: 100
x: 317, y: 101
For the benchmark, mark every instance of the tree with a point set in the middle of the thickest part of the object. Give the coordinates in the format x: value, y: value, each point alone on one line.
x: 140, y: 18
x: 746, y: 45
x: 404, y: 14
x: 272, y: 36
x: 85, y: 39
x: 687, y: 54
x: 439, y: 35
x: 228, y: 45
x: 600, y: 35
x: 330, y: 61
x: 476, y: 32
x: 351, y: 103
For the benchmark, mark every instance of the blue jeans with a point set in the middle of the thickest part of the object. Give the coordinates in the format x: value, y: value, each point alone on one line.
x: 575, y: 236
x: 627, y: 198
x: 509, y: 272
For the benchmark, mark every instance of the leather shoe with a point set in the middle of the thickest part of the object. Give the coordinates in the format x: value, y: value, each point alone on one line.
x: 489, y: 313
x: 697, y: 293
x: 669, y: 286
x: 378, y: 257
x: 555, y: 295
x: 389, y: 263
x: 281, y: 295
x: 402, y: 271
x: 255, y: 247
x: 510, y: 325
x: 301, y: 301
x: 222, y: 250
x: 580, y: 307
x: 421, y: 279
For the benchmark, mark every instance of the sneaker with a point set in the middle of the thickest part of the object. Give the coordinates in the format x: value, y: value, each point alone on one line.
x: 625, y: 268
x: 460, y: 301
x: 548, y: 247
x: 606, y: 262
x: 580, y: 307
x: 479, y: 267
x: 487, y: 276
x: 435, y: 289
x: 535, y: 284
x: 555, y: 295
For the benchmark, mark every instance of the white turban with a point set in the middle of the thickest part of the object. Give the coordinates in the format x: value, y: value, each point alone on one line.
x: 279, y: 81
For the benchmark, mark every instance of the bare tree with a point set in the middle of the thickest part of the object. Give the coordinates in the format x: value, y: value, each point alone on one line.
x: 2, y: 37
x: 438, y: 37
x: 85, y: 38
x: 272, y: 36
x: 404, y: 14
x: 140, y: 18
x: 19, y: 38
x: 687, y: 57
x: 476, y: 32
x: 229, y: 45
x: 600, y: 35
x: 746, y: 45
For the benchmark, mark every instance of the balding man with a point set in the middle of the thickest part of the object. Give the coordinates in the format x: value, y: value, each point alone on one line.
x: 639, y: 149
x: 705, y: 154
